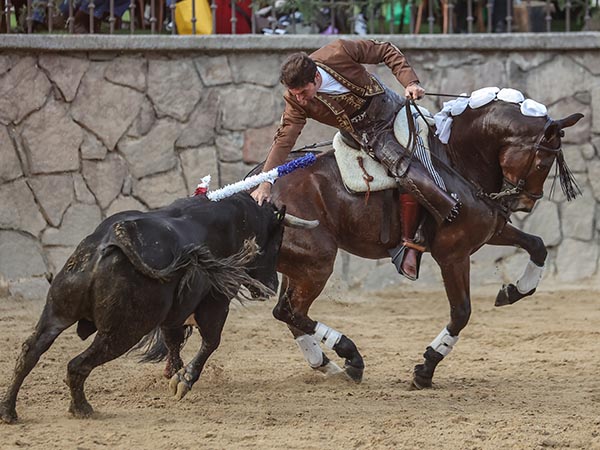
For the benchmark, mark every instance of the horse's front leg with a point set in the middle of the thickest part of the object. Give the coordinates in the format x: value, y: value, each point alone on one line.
x: 456, y: 282
x: 292, y: 308
x: 527, y: 284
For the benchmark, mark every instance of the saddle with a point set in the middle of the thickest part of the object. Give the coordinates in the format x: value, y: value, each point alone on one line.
x: 360, y: 172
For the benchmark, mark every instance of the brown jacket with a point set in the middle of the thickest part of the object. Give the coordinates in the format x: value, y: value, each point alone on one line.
x: 343, y: 60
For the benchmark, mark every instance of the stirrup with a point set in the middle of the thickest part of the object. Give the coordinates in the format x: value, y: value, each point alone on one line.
x: 398, y: 255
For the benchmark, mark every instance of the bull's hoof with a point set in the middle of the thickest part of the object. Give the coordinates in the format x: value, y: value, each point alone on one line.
x: 7, y: 414
x: 179, y: 386
x: 354, y: 373
x: 509, y: 294
x: 81, y: 411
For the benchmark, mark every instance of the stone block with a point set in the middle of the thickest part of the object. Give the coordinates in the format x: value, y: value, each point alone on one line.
x: 105, y: 108
x: 23, y: 89
x: 10, y: 168
x: 127, y: 71
x: 232, y: 172
x: 257, y: 143
x: 213, y: 70
x: 65, y: 72
x: 468, y: 78
x: 31, y: 289
x: 200, y: 130
x: 160, y: 190
x: 105, y: 178
x: 578, y: 216
x: 52, y: 148
x: 249, y: 106
x: 261, y: 69
x: 54, y: 194
x: 153, y: 152
x: 229, y: 145
x: 82, y: 191
x: 173, y: 87
x: 18, y: 210
x: 92, y: 148
x: 576, y: 260
x: 197, y: 163
x: 124, y: 203
x: 596, y: 107
x: 557, y: 79
x: 544, y: 222
x: 57, y: 257
x: 144, y: 121
x: 579, y: 133
x: 21, y: 256
x: 79, y: 221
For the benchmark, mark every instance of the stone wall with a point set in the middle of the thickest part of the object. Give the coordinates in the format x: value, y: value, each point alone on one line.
x: 92, y: 126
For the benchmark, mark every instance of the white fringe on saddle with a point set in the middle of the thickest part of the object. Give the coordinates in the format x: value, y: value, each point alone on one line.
x: 353, y: 176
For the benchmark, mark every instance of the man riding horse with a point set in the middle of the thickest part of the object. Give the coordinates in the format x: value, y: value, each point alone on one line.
x: 332, y: 87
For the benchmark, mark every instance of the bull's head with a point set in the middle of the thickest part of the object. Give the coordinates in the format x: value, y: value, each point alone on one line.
x: 264, y: 268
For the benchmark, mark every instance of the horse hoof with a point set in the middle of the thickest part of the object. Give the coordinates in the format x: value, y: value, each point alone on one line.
x: 82, y: 411
x: 330, y: 369
x: 354, y: 373
x: 420, y: 383
x: 7, y: 415
x: 509, y: 294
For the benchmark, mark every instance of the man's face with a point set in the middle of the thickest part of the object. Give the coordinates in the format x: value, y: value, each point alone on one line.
x: 306, y: 93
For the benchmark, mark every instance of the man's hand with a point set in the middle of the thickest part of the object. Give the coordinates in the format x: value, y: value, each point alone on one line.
x: 262, y: 193
x: 414, y: 91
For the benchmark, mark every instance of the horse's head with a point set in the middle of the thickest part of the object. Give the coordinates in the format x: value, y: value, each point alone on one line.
x: 527, y: 155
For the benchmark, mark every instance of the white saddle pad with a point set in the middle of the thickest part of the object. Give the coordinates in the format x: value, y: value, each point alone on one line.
x: 347, y: 157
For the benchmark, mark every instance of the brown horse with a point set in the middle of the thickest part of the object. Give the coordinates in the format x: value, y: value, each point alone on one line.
x: 497, y: 161
x: 504, y: 158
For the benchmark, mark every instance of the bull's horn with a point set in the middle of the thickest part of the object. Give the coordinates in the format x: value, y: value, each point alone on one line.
x: 296, y: 222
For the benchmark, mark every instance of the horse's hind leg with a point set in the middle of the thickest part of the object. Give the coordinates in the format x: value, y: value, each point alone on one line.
x: 456, y: 282
x: 527, y: 284
x: 47, y: 330
x: 292, y: 308
x: 210, y: 316
x: 108, y: 344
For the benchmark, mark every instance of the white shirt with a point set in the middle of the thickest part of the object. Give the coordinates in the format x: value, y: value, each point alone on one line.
x: 329, y: 85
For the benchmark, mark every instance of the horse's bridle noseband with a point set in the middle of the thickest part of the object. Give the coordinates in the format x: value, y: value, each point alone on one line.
x: 509, y: 188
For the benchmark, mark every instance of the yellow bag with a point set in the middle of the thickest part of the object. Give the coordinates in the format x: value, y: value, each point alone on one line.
x: 183, y: 17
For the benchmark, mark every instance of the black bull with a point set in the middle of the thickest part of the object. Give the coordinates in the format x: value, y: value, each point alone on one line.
x: 138, y: 270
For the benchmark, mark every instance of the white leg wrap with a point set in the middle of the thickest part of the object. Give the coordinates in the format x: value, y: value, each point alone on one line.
x: 444, y: 343
x: 531, y: 277
x: 327, y: 335
x: 310, y: 350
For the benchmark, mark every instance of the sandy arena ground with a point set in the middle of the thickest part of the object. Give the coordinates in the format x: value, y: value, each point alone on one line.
x: 521, y: 377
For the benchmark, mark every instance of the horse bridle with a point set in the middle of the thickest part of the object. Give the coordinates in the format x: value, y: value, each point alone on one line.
x: 509, y: 188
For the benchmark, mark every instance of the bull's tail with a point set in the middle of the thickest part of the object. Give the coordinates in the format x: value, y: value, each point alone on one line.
x: 224, y: 275
x: 152, y: 347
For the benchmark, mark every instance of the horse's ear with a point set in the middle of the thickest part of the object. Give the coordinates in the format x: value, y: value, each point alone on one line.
x: 570, y: 121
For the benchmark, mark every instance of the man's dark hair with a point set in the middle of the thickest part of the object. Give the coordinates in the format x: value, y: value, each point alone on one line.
x: 297, y: 71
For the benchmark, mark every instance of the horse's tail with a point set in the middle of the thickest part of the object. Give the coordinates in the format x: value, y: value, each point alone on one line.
x: 152, y: 347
